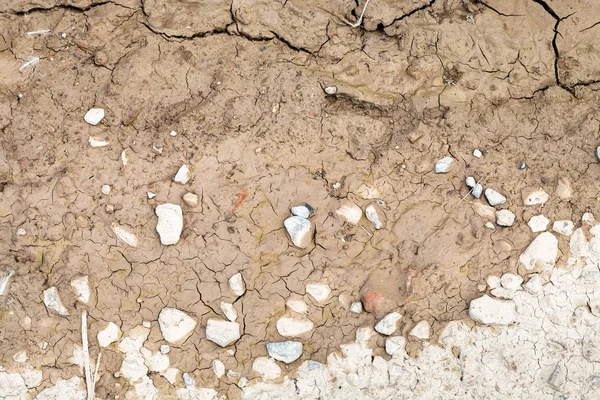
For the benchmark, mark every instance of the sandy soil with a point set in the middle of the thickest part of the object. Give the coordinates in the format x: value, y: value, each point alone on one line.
x: 242, y: 83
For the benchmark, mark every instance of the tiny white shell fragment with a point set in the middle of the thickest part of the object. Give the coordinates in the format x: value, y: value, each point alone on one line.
x: 97, y: 142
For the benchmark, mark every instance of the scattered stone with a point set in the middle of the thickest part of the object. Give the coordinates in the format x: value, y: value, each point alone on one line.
x: 173, y: 133
x: 318, y: 291
x: 588, y: 218
x: 388, y: 324
x: 151, y: 195
x: 477, y: 191
x: 94, y: 116
x: 493, y: 281
x: 543, y: 250
x: 557, y: 378
x: 54, y: 303
x: 170, y: 223
x: 505, y: 218
x: 489, y: 311
x: 156, y: 362
x: 303, y: 211
x: 511, y: 281
x: 395, y: 345
x: 372, y: 215
x: 218, y: 368
x: 21, y: 232
x: 237, y: 285
x: 490, y: 226
x: 421, y: 331
x: 299, y: 230
x: 222, y: 332
x: 494, y: 198
x: 470, y: 182
x: 82, y: 288
x: 356, y: 307
x: 598, y: 153
x: 106, y: 189
x: 484, y: 211
x: 290, y: 327
x: 533, y: 196
x: 109, y: 335
x: 297, y: 305
x: 183, y: 175
x: 171, y: 375
x: 330, y: 90
x: 124, y: 235
x: 538, y: 223
x: 188, y: 380
x: 267, y: 368
x: 20, y: 357
x: 165, y: 349
x: 146, y: 324
x: 242, y: 382
x: 522, y: 165
x: 32, y: 377
x: 481, y: 288
x: 534, y: 284
x: 564, y: 188
x: 157, y: 149
x: 124, y: 157
x: 350, y: 213
x: 564, y: 227
x: 442, y: 166
x: 229, y: 311
x: 286, y: 352
x: 477, y: 153
x: 97, y: 142
x: 191, y: 199
x: 175, y: 325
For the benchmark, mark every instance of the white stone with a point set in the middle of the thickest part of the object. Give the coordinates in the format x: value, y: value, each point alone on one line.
x: 267, y: 368
x: 477, y: 190
x: 145, y: 389
x: 222, y: 332
x: 77, y: 357
x: 12, y: 386
x: 151, y: 195
x: 286, y: 352
x: 71, y: 389
x: 229, y: 311
x: 564, y: 227
x: 300, y: 211
x: 318, y: 291
x: 183, y: 175
x: 191, y: 199
x: 442, y: 166
x: 356, y: 307
x: 165, y: 349
x: 94, y: 116
x: 218, y: 368
x: 543, y: 250
x: 175, y: 325
x: 388, y: 324
x: 373, y: 216
x: 505, y: 218
x: 493, y: 281
x: 330, y: 90
x: 237, y: 285
x: 124, y: 235
x: 299, y: 230
x: 156, y: 362
x: 489, y: 311
x: 106, y: 189
x: 350, y: 213
x: 146, y: 324
x: 293, y: 327
x: 470, y: 182
x: 81, y: 287
x: 188, y: 380
x: 97, y: 142
x: 54, y: 303
x: 394, y: 345
x: 588, y: 218
x: 20, y: 357
x: 173, y: 133
x: 534, y: 284
x: 511, y: 281
x: 21, y: 232
x: 171, y: 375
x: 32, y: 377
x: 477, y: 153
x: 109, y: 335
x: 533, y: 197
x: 297, y: 305
x: 538, y: 223
x: 124, y: 157
x: 133, y: 366
x: 489, y: 225
x: 494, y: 198
x: 170, y: 223
x: 422, y: 330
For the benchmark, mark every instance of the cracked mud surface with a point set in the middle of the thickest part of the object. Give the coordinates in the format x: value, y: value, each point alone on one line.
x: 241, y: 82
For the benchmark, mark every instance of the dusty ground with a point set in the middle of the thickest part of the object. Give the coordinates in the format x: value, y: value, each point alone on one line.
x: 242, y: 83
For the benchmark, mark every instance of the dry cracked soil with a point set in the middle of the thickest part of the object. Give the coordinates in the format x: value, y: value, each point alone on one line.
x: 276, y: 103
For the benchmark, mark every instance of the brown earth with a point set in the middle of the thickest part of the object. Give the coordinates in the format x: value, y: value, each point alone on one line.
x: 242, y: 83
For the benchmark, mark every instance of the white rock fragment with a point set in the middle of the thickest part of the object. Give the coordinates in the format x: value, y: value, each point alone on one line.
x: 191, y: 199
x: 267, y: 368
x: 124, y: 235
x: 94, y: 116
x: 165, y: 349
x: 299, y: 230
x: 489, y: 225
x: 533, y: 197
x: 470, y: 182
x: 106, y: 189
x: 511, y: 281
x: 578, y: 245
x: 297, y: 305
x: 493, y: 281
x: 350, y: 213
x: 71, y: 389
x: 394, y: 345
x: 543, y: 250
x: 318, y: 291
x: 589, y: 219
x: 54, y: 303
x: 173, y: 133
x: 222, y: 332
x: 109, y: 335
x: 494, y: 198
x: 229, y: 311
x: 290, y: 327
x: 32, y: 377
x: 81, y: 287
x: 188, y: 380
x: 175, y: 325
x: 286, y: 352
x: 505, y: 218
x: 170, y: 223
x: 171, y: 375
x: 146, y: 324
x: 477, y: 153
x: 330, y: 90
x: 303, y: 211
x: 156, y: 362
x: 356, y: 307
x: 442, y: 166
x: 489, y: 311
x: 133, y: 366
x: 97, y: 142
x: 534, y: 284
x: 151, y: 195
x: 564, y: 227
x: 538, y: 223
x: 183, y: 175
x: 124, y: 158
x: 388, y: 324
x: 477, y: 191
x: 422, y: 330
x: 218, y: 368
x: 21, y: 232
x: 237, y: 285
x: 373, y: 216
x: 20, y: 357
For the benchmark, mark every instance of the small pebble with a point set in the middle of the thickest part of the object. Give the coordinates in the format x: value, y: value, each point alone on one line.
x: 356, y: 307
x: 538, y: 223
x: 21, y: 232
x: 470, y: 181
x: 183, y: 175
x: 237, y: 285
x: 443, y: 165
x: 173, y: 133
x: 598, y: 153
x: 522, y: 165
x: 489, y: 225
x: 422, y: 330
x: 106, y: 189
x: 191, y: 199
x: 299, y: 230
x: 477, y: 153
x: 388, y: 324
x: 286, y: 352
x: 124, y: 157
x: 222, y: 332
x: 151, y: 195
x: 319, y: 292
x: 494, y: 198
x: 350, y: 213
x: 505, y: 218
x: 372, y: 215
x: 534, y: 196
x: 96, y: 142
x: 477, y: 190
x: 331, y: 90
x: 165, y: 349
x: 301, y: 211
x: 565, y: 228
x: 94, y: 116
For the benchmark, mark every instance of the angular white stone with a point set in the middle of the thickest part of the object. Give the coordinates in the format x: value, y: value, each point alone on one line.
x: 318, y: 291
x: 229, y: 311
x: 388, y: 324
x: 505, y: 218
x: 395, y: 345
x: 494, y: 198
x: 20, y: 357
x: 156, y: 362
x: 477, y: 153
x: 124, y: 157
x: 191, y: 199
x: 373, y: 216
x: 330, y: 90
x: 442, y: 166
x: 297, y: 305
x: 82, y: 288
x: 106, y: 189
x: 165, y: 349
x: 124, y: 235
x: 267, y: 368
x: 237, y: 285
x: 97, y: 142
x: 222, y: 332
x: 533, y: 197
x: 489, y: 311
x: 422, y: 330
x: 578, y: 245
x: 109, y: 335
x: 32, y: 377
x: 470, y: 182
x: 183, y: 175
x: 94, y: 116
x: 477, y: 190
x: 350, y: 213
x: 151, y: 195
x: 170, y: 223
x: 511, y: 281
x: 299, y: 230
x: 286, y: 352
x: 534, y: 284
x: 293, y: 327
x: 493, y: 281
x: 54, y: 303
x: 538, y: 223
x: 543, y: 250
x: 356, y: 307
x: 175, y: 325
x: 564, y: 227
x: 588, y: 218
x: 300, y: 211
x: 171, y: 375
x: 218, y: 368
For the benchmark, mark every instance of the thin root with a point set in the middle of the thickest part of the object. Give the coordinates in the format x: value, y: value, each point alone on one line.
x: 359, y: 21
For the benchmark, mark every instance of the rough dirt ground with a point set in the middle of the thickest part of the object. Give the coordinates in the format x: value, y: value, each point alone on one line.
x: 242, y: 83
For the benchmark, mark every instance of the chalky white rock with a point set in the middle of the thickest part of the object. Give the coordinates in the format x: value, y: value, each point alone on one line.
x: 97, y: 142
x: 494, y: 198
x: 267, y: 368
x: 564, y: 227
x: 94, y: 116
x: 175, y: 325
x: 81, y: 288
x: 356, y: 307
x: 237, y: 285
x: 373, y: 215
x: 297, y: 305
x: 350, y: 213
x: 290, y: 327
x: 534, y: 196
x: 318, y: 291
x: 442, y: 166
x: 222, y: 332
x: 490, y: 311
x: 286, y: 352
x: 110, y: 334
x: 388, y: 324
x: 422, y: 330
x: 394, y: 345
x: 229, y: 311
x: 191, y: 199
x: 54, y: 303
x: 538, y: 223
x: 183, y: 175
x: 299, y: 230
x: 170, y: 223
x: 124, y: 235
x: 505, y: 218
x: 543, y: 250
